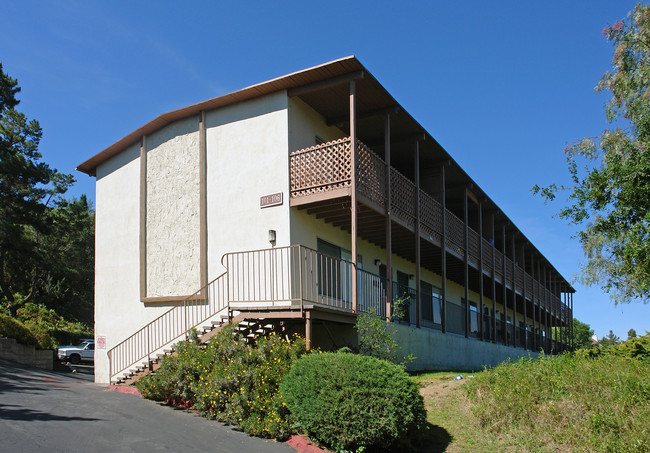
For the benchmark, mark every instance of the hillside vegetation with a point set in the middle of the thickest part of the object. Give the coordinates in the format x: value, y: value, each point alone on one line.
x: 595, y: 400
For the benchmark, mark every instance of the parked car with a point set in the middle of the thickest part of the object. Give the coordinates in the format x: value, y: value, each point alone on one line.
x: 76, y: 354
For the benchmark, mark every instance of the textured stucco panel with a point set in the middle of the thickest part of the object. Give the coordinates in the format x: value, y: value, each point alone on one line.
x: 173, y: 247
x: 118, y: 310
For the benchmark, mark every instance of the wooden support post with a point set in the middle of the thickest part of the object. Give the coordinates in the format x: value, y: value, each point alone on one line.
x: 443, y: 247
x: 514, y: 293
x: 389, y: 222
x: 547, y: 315
x: 564, y: 324
x: 494, y: 283
x: 571, y: 317
x: 553, y: 324
x: 523, y: 263
x: 418, y: 307
x: 353, y: 189
x: 505, y: 294
x: 540, y: 343
x: 534, y: 299
x: 480, y: 269
x: 308, y: 330
x: 466, y: 267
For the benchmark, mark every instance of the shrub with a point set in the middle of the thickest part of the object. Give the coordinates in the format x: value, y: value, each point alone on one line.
x: 27, y: 334
x: 173, y: 381
x: 349, y: 402
x: 41, y: 333
x: 12, y: 328
x: 376, y: 340
x: 230, y: 381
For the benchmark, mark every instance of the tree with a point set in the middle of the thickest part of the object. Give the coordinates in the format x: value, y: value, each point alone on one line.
x: 610, y: 194
x: 28, y: 190
x: 610, y: 340
x: 582, y: 334
x: 631, y: 334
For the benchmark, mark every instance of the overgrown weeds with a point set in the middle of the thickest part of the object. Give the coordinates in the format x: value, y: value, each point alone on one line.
x: 571, y: 402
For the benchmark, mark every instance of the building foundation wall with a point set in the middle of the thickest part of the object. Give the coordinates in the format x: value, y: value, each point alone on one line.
x: 435, y: 350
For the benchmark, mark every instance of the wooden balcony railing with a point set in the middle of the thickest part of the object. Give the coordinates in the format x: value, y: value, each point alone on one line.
x: 328, y: 167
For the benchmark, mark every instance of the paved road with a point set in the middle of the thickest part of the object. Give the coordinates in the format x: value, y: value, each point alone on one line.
x: 50, y: 411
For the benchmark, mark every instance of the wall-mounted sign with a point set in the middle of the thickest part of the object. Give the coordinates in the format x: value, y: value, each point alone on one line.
x: 101, y: 342
x: 271, y: 200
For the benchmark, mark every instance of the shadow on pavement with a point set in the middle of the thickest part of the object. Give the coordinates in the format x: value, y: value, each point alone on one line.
x: 21, y: 413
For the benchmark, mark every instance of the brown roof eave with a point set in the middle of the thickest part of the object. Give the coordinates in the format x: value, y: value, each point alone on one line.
x: 320, y: 72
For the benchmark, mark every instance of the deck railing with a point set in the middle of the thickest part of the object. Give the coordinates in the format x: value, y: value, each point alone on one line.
x: 288, y: 278
x: 328, y: 167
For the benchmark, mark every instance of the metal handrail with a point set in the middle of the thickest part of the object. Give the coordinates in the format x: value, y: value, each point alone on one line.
x: 168, y: 328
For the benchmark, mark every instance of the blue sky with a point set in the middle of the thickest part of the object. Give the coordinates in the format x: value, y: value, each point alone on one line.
x: 504, y: 86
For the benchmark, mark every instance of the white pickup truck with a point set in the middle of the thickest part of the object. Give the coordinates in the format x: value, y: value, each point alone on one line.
x: 75, y: 354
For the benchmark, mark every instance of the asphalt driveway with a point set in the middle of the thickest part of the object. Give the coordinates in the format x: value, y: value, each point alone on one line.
x: 53, y: 411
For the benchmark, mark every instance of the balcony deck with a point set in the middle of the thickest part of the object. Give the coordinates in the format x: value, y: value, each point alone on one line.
x: 321, y: 182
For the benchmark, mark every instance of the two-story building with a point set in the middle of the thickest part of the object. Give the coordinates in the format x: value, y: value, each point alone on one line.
x: 304, y: 201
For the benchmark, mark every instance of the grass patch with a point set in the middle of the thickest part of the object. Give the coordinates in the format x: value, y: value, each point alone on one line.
x: 566, y: 403
x: 452, y: 426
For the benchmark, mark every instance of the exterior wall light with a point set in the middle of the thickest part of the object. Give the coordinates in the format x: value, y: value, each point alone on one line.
x: 272, y: 236
x: 377, y: 262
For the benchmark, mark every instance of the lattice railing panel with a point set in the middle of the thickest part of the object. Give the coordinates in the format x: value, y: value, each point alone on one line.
x: 487, y: 255
x: 455, y: 233
x: 508, y: 270
x: 430, y: 216
x: 473, y: 241
x: 371, y: 174
x: 529, y: 286
x: 402, y: 197
x: 519, y: 279
x: 321, y: 168
x: 498, y: 263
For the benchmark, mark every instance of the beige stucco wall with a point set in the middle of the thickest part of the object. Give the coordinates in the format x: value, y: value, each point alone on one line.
x: 118, y: 310
x: 247, y: 158
x: 305, y: 124
x: 173, y: 249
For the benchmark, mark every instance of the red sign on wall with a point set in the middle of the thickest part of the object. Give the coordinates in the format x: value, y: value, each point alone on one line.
x: 271, y: 200
x: 101, y: 342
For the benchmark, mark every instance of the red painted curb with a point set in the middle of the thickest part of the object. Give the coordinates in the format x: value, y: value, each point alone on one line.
x: 302, y: 445
x: 129, y: 390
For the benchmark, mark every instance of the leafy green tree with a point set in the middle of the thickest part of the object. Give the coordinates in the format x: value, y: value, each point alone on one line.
x: 610, y: 339
x: 582, y: 334
x: 69, y: 254
x: 29, y: 192
x: 631, y: 334
x: 610, y: 193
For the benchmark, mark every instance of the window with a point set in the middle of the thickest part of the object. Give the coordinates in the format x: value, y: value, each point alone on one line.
x: 334, y: 275
x: 431, y: 303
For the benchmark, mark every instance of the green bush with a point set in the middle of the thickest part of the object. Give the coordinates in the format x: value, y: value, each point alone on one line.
x: 230, y: 381
x: 27, y: 334
x: 350, y: 402
x: 574, y: 402
x: 41, y: 333
x: 12, y: 328
x: 173, y: 381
